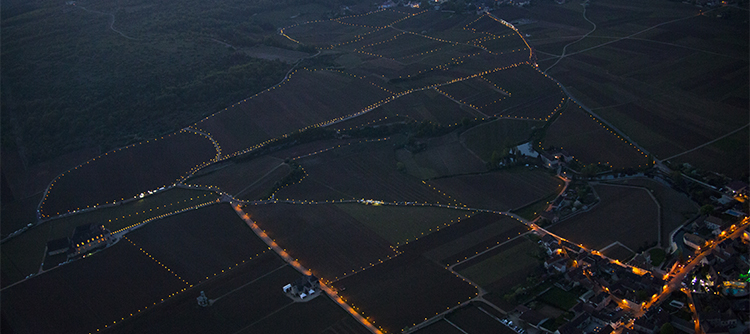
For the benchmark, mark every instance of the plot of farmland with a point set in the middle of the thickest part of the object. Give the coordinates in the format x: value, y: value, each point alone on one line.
x: 504, y: 267
x: 423, y: 105
x: 306, y: 98
x: 676, y: 207
x: 627, y: 215
x: 324, y: 238
x: 379, y: 18
x: 364, y: 170
x: 419, y: 287
x: 328, y: 33
x: 728, y: 156
x: 443, y: 156
x: 253, y: 177
x: 591, y: 142
x: 83, y: 292
x: 474, y: 318
x: 403, y: 224
x: 502, y: 190
x: 670, y: 88
x: 198, y: 244
x: 531, y: 95
x: 126, y: 172
x: 237, y: 304
x: 498, y: 134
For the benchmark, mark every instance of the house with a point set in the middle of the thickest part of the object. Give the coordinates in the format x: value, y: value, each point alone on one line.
x: 693, y: 241
x: 58, y: 246
x: 553, y: 158
x: 87, y: 238
x: 302, y: 287
x: 713, y: 223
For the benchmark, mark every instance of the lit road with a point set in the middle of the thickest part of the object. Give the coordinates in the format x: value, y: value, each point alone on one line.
x: 294, y: 263
x: 680, y: 273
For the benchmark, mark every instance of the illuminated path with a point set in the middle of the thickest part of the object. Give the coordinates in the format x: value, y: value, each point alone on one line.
x: 680, y: 273
x: 294, y: 263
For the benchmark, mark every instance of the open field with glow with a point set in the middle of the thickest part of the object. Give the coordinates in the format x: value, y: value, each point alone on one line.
x: 121, y: 273
x: 501, y: 190
x: 325, y: 239
x: 626, y: 215
x: 124, y: 173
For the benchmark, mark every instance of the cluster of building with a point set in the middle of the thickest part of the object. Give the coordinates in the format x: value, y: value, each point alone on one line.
x: 303, y: 289
x: 611, y: 295
x: 86, y: 238
x: 577, y: 198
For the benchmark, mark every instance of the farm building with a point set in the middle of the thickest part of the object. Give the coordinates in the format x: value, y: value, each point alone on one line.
x: 302, y: 287
x: 88, y: 237
x: 58, y: 246
x: 552, y: 159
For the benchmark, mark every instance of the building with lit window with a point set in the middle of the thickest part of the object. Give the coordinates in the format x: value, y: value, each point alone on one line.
x: 87, y: 238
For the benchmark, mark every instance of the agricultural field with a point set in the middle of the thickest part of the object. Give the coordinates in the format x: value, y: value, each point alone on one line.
x: 501, y: 190
x: 402, y: 224
x: 475, y: 318
x: 121, y: 272
x: 244, y: 178
x: 727, y: 156
x: 306, y: 98
x: 235, y: 308
x: 495, y: 135
x: 530, y: 94
x: 591, y: 142
x: 668, y: 76
x: 420, y: 106
x: 23, y: 254
x: 618, y: 252
x: 124, y: 173
x: 443, y: 156
x: 199, y: 244
x: 324, y: 238
x: 365, y: 170
x: 374, y: 291
x: 676, y: 207
x: 627, y: 215
x: 503, y: 268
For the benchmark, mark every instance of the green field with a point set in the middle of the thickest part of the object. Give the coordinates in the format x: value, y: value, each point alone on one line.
x: 559, y: 298
x: 402, y: 224
x: 504, y: 268
x: 497, y: 135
